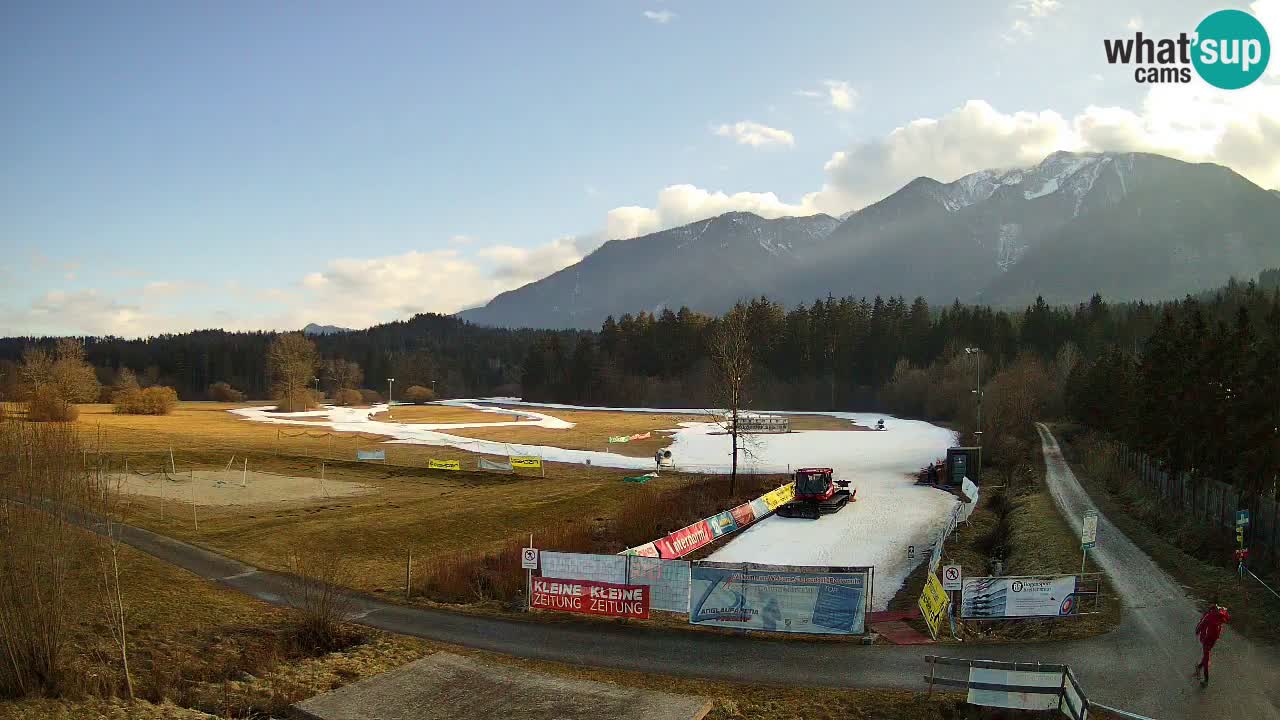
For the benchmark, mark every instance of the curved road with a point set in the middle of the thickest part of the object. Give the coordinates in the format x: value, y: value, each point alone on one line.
x: 1144, y: 666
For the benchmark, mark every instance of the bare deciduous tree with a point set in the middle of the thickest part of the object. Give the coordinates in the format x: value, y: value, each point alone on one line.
x: 731, y: 355
x: 291, y: 359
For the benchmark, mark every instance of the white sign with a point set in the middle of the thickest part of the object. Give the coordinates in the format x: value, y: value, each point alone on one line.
x: 1089, y: 530
x: 529, y: 559
x: 1001, y: 597
x: 951, y: 577
x: 1016, y: 678
x: 911, y: 552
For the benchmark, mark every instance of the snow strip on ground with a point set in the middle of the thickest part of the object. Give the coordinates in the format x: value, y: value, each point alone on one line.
x: 891, y: 511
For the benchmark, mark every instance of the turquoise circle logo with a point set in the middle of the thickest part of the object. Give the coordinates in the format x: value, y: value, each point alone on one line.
x: 1232, y: 49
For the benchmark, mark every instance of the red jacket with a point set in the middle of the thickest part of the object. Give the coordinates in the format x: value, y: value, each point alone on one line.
x: 1209, y: 629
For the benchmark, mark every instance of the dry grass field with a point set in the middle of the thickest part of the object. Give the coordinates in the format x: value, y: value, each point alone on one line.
x: 200, y: 651
x: 403, y: 507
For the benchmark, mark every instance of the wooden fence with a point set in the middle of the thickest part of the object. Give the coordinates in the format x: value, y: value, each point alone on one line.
x: 1213, y: 504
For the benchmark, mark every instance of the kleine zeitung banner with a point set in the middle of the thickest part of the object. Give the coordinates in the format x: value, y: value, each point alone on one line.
x: 590, y: 598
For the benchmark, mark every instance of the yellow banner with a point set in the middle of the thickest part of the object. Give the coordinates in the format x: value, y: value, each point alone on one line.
x: 781, y: 496
x: 933, y: 603
x: 526, y: 461
x: 444, y: 465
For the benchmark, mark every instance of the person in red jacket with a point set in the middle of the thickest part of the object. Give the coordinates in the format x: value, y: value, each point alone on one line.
x: 1208, y: 630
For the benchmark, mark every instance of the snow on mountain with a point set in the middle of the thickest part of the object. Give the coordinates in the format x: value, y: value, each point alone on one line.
x: 1074, y: 172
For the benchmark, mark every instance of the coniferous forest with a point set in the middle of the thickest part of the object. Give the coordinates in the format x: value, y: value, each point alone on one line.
x: 1192, y: 382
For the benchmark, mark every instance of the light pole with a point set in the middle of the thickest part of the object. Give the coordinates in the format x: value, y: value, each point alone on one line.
x: 433, y: 389
x: 977, y: 353
x: 317, y: 388
x: 389, y: 381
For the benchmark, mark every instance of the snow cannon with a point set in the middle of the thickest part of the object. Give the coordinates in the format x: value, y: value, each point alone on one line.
x: 818, y: 493
x: 662, y: 458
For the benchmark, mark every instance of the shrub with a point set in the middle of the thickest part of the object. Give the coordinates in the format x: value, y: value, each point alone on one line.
x: 348, y: 397
x: 369, y: 397
x: 322, y: 609
x: 298, y: 400
x: 418, y: 394
x: 223, y: 392
x: 48, y: 405
x: 156, y: 400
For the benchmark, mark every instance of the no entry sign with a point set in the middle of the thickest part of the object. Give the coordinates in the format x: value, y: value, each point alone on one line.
x: 590, y: 598
x: 952, y: 577
x: 529, y: 558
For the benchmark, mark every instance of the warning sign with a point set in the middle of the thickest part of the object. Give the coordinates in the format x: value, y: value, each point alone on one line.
x: 933, y: 603
x: 529, y: 559
x: 952, y: 577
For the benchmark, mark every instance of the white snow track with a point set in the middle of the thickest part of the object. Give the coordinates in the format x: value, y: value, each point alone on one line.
x: 891, y: 512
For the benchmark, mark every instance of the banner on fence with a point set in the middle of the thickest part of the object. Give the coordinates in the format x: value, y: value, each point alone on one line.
x: 722, y: 524
x: 371, y: 454
x: 619, y: 438
x: 1011, y: 597
x: 526, y: 461
x: 641, y: 436
x: 933, y: 603
x: 685, y: 540
x: 491, y: 465
x: 667, y: 580
x: 584, y: 566
x: 743, y: 515
x: 590, y: 598
x: 779, y: 496
x: 779, y: 598
x: 434, y: 464
x: 646, y: 550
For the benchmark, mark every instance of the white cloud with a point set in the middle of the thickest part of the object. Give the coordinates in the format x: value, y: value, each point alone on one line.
x: 841, y: 95
x: 1029, y: 15
x: 754, y: 134
x: 683, y: 204
x: 1135, y: 23
x: 520, y: 266
x: 662, y: 17
x: 461, y: 240
x: 1039, y: 8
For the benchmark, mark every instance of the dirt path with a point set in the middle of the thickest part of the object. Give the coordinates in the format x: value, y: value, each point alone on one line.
x: 1159, y: 626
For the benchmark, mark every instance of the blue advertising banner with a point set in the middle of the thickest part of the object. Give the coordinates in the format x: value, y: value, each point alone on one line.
x: 722, y: 524
x: 779, y: 598
x: 371, y: 454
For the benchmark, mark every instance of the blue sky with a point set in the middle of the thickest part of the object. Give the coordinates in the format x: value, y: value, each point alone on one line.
x: 255, y: 165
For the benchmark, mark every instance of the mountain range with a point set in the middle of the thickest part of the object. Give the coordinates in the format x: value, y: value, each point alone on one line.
x: 1126, y: 225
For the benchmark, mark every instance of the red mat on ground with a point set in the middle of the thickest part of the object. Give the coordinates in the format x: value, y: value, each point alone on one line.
x: 900, y: 633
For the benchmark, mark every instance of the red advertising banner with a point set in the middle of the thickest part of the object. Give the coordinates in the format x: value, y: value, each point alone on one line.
x: 685, y: 540
x: 743, y: 515
x: 590, y: 598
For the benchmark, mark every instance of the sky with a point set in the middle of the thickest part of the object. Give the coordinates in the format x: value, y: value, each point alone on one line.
x: 247, y: 165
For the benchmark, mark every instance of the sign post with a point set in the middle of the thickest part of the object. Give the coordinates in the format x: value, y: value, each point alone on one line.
x: 529, y: 561
x: 1242, y: 521
x: 1088, y: 536
x: 952, y: 582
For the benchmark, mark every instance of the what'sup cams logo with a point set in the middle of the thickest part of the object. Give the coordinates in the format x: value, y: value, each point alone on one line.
x: 1229, y: 49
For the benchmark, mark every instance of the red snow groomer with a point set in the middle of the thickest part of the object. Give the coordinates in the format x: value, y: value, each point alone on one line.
x: 818, y: 493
